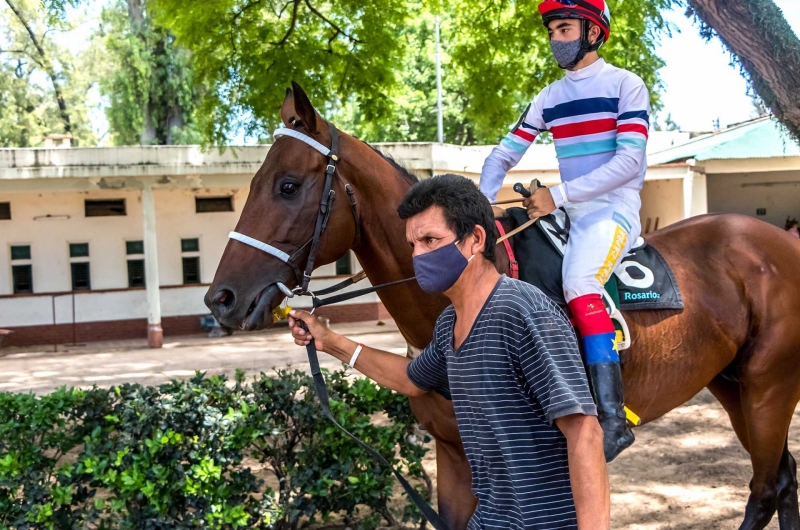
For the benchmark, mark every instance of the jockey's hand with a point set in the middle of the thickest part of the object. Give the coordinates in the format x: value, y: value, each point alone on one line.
x: 540, y: 203
x: 316, y: 330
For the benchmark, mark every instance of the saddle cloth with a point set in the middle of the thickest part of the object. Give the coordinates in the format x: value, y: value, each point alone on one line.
x: 643, y: 278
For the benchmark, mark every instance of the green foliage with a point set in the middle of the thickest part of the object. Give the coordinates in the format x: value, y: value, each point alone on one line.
x: 148, y: 80
x: 369, y: 64
x: 204, y: 453
x: 43, y: 86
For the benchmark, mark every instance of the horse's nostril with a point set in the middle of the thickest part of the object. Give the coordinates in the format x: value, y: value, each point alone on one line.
x: 224, y: 299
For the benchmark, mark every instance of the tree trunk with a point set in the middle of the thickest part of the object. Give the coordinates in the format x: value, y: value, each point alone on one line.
x: 44, y: 61
x: 756, y: 32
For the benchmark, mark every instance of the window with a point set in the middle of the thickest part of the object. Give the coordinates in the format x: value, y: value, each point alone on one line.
x: 23, y: 278
x: 213, y: 204
x: 134, y: 247
x: 343, y: 265
x: 81, y: 280
x: 5, y: 211
x: 79, y: 250
x: 191, y: 270
x: 104, y: 207
x: 20, y: 252
x: 79, y: 266
x: 21, y: 269
x: 190, y: 251
x: 190, y: 245
x: 135, y: 251
x: 136, y: 273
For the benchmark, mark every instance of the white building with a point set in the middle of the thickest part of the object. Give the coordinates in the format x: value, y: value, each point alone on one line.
x: 73, y: 240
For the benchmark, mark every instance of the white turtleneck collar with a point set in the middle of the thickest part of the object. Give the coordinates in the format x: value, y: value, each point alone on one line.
x: 586, y: 72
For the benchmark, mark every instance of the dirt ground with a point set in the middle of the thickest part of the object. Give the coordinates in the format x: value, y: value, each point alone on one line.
x: 685, y: 471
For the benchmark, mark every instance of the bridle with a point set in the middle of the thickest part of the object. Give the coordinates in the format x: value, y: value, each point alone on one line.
x: 325, y: 206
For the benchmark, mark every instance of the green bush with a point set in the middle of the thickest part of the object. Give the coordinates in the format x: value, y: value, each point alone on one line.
x: 206, y: 453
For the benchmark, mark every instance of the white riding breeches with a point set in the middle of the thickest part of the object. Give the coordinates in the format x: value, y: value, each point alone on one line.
x: 602, y: 231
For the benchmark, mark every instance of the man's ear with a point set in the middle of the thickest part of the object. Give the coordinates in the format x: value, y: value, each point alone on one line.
x: 595, y: 33
x: 479, y: 244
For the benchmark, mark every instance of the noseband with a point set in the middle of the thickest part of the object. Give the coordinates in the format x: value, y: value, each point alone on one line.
x: 325, y: 206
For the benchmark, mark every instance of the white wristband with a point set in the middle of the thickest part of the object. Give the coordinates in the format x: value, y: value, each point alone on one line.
x: 355, y: 355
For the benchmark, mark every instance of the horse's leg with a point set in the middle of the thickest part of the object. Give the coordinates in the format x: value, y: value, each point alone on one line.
x: 768, y: 407
x: 729, y: 395
x: 788, y: 512
x: 453, y: 477
x: 454, y: 485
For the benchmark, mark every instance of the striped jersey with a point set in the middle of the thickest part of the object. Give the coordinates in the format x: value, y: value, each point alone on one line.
x: 599, y: 118
x: 517, y: 371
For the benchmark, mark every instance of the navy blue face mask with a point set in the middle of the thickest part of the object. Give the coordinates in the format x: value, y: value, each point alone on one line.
x: 438, y: 270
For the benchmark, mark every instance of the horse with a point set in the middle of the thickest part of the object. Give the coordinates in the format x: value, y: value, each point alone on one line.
x: 737, y: 334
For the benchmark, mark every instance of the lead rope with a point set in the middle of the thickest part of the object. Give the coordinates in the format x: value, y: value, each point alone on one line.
x: 322, y: 392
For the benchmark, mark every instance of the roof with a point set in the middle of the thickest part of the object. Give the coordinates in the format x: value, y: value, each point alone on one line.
x: 760, y: 138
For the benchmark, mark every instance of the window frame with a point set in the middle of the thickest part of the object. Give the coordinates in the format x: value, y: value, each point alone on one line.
x: 184, y: 259
x: 208, y: 200
x: 18, y: 266
x: 72, y: 267
x: 87, y: 202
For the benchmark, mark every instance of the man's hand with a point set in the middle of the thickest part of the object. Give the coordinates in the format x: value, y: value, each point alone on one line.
x: 540, y: 203
x: 587, y: 470
x: 316, y: 330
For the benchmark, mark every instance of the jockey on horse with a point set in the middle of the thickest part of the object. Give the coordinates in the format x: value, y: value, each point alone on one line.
x: 598, y: 115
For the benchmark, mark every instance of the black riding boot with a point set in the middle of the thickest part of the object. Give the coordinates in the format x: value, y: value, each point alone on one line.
x: 605, y: 380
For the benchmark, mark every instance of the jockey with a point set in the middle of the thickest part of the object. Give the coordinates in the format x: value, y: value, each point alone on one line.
x: 598, y: 115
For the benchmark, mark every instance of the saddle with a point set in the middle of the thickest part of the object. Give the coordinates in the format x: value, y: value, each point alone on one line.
x: 642, y: 281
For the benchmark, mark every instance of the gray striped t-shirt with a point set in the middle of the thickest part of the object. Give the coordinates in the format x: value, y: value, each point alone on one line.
x: 518, y: 370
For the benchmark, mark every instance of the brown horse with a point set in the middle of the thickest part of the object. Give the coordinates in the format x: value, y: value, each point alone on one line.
x: 738, y: 334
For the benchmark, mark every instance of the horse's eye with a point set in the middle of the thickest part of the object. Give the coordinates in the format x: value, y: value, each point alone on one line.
x: 289, y: 188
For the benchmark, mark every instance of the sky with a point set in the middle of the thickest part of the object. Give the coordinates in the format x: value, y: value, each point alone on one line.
x: 701, y: 86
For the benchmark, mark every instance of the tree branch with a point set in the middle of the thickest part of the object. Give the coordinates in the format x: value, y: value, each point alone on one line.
x: 292, y: 24
x: 47, y: 65
x: 765, y: 46
x: 331, y: 24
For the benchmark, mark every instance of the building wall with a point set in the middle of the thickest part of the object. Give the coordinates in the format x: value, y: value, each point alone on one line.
x: 110, y: 299
x: 778, y: 192
x: 662, y: 203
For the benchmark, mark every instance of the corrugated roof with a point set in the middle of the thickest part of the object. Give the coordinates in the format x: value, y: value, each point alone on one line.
x: 761, y: 138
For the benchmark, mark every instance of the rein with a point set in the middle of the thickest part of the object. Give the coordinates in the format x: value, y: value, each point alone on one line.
x: 326, y: 202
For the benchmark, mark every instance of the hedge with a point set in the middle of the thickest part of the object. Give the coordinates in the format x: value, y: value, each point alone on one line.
x: 207, y: 453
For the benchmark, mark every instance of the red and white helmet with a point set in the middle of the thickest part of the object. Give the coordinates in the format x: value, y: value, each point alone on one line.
x: 592, y: 10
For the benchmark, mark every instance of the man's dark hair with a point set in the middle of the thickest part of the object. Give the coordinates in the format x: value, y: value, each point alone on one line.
x: 463, y: 204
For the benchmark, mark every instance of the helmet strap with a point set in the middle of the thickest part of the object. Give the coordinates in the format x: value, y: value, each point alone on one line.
x: 586, y: 46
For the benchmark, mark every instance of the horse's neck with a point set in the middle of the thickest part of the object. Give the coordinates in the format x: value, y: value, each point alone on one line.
x: 383, y: 251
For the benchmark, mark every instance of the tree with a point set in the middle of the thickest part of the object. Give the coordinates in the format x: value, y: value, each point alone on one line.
x: 43, y: 86
x: 148, y: 80
x: 369, y: 61
x: 763, y: 43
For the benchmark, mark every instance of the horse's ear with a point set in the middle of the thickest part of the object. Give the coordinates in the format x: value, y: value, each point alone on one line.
x: 297, y: 110
x: 288, y: 115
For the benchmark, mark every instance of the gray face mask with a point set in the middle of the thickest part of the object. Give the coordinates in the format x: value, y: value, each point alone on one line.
x: 566, y: 53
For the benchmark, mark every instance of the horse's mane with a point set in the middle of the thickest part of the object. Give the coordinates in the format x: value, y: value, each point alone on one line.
x: 410, y: 177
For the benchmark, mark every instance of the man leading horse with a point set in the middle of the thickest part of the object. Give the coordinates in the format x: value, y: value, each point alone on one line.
x: 506, y: 356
